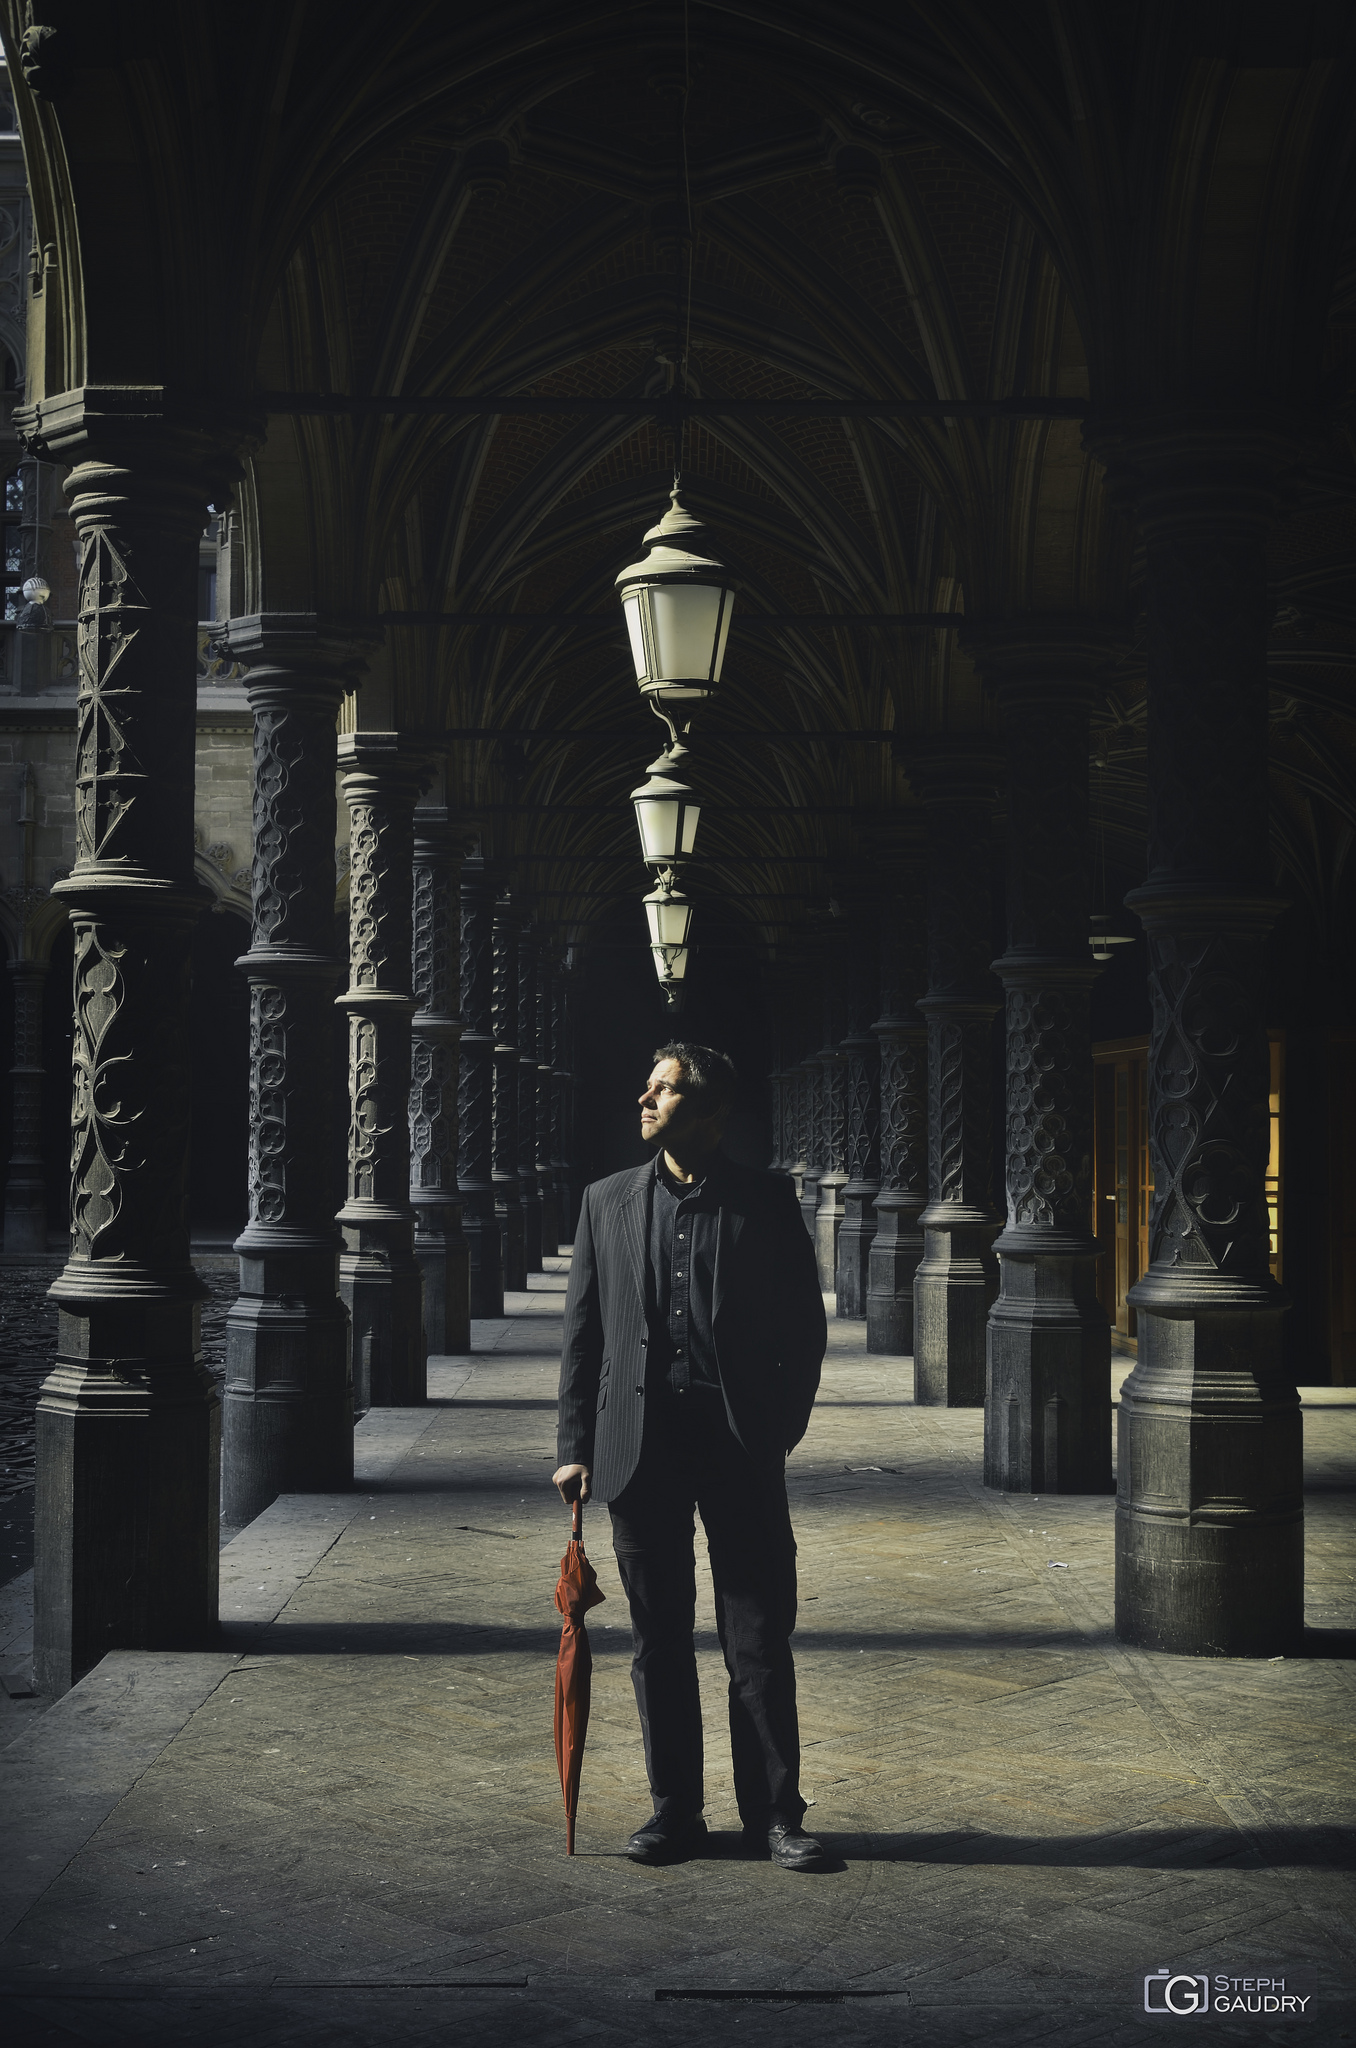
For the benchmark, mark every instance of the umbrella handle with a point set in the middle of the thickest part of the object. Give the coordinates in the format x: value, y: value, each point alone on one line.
x: 577, y: 1522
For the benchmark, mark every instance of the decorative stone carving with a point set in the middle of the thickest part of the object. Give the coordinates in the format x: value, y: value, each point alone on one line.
x: 812, y: 1100
x: 1209, y: 1536
x: 529, y: 1191
x: 862, y: 1090
x: 1047, y: 1426
x: 475, y: 1094
x: 508, y: 1190
x: 127, y: 1423
x: 379, y: 1275
x: 546, y: 1185
x: 440, y: 1244
x: 957, y: 1277
x: 287, y: 1417
x: 833, y: 1119
x: 897, y: 1246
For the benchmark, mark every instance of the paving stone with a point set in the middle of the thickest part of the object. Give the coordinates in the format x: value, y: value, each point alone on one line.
x: 1026, y: 1816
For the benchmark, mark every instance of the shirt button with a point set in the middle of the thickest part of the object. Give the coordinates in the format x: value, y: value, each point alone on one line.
x: 682, y: 1236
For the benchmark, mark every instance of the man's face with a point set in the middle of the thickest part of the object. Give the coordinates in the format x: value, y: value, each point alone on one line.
x: 666, y: 1111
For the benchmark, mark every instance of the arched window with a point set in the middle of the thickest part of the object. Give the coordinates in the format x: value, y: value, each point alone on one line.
x: 11, y: 542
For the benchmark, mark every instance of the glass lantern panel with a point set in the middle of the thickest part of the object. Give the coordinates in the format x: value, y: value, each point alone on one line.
x: 631, y: 609
x: 726, y: 611
x: 691, y: 813
x: 669, y: 922
x: 683, y: 621
x: 670, y: 962
x: 658, y: 821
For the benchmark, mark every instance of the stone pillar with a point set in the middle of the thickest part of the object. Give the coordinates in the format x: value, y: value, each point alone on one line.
x: 812, y: 1108
x: 1047, y: 1419
x: 378, y: 1273
x: 475, y: 1095
x: 957, y: 1278
x: 440, y: 1246
x: 897, y: 1246
x: 128, y: 1423
x: 287, y: 1407
x: 508, y: 1198
x: 546, y: 1184
x: 26, y: 1183
x: 1209, y: 1536
x: 862, y: 1079
x: 562, y: 1104
x: 527, y: 1098
x: 833, y: 1120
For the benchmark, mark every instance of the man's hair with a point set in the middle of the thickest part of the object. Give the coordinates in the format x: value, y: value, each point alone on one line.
x: 709, y: 1075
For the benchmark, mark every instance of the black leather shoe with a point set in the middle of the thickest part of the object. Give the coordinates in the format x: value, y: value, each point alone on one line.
x: 791, y: 1848
x: 666, y: 1839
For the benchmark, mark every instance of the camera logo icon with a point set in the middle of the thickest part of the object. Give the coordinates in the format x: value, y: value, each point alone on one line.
x: 1176, y: 1995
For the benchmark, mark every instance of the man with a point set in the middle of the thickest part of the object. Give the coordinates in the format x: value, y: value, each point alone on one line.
x: 694, y: 1336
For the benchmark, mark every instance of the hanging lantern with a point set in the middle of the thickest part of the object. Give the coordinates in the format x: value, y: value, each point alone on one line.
x: 677, y: 603
x: 670, y: 918
x: 666, y: 811
x: 1102, y: 940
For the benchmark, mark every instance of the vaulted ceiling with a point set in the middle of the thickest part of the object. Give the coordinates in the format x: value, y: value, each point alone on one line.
x: 666, y: 215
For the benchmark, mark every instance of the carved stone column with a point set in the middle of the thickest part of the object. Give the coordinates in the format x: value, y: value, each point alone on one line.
x: 128, y: 1423
x: 833, y: 1123
x: 546, y: 1184
x: 812, y: 1111
x: 475, y: 1098
x: 562, y: 1103
x: 897, y: 1246
x: 440, y: 1246
x: 378, y: 1272
x: 1209, y: 1538
x: 26, y: 1183
x: 862, y: 1078
x: 1047, y: 1420
x: 287, y: 1409
x: 527, y: 1098
x: 508, y: 1198
x: 957, y: 1278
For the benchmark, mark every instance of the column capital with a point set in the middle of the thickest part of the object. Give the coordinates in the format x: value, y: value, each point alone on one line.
x: 952, y: 768
x: 1176, y: 468
x: 287, y: 651
x: 194, y: 437
x: 395, y: 763
x: 1041, y: 660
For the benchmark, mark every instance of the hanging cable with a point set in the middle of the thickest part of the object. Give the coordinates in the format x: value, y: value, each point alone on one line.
x: 685, y: 340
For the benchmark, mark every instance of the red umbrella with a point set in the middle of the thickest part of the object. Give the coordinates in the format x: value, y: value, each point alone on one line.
x: 576, y: 1592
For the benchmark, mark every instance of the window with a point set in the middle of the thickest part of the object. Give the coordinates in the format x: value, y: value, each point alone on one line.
x: 12, y: 542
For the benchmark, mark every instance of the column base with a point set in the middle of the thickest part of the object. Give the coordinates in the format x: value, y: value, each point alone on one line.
x: 532, y: 1234
x: 1047, y: 1412
x: 550, y: 1221
x: 1209, y: 1513
x: 855, y: 1237
x: 953, y: 1290
x: 892, y: 1263
x: 127, y: 1509
x: 809, y: 1198
x: 443, y: 1256
x: 382, y: 1288
x: 485, y: 1247
x: 287, y: 1405
x: 828, y: 1223
x: 25, y: 1224
x: 511, y: 1237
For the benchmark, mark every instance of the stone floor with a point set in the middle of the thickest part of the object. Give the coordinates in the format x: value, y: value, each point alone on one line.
x: 344, y: 1827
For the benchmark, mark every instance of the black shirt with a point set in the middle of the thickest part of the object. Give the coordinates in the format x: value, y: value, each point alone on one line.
x: 684, y: 1225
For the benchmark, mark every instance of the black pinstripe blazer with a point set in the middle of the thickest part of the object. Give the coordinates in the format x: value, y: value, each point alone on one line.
x: 767, y: 1321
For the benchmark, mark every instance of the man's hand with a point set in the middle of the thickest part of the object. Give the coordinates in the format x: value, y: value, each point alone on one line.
x: 572, y: 1482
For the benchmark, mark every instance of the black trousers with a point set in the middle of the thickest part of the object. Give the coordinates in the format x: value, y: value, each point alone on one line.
x: 691, y: 1459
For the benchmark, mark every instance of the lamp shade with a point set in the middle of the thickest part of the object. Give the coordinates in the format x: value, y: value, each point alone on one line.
x: 677, y: 601
x: 666, y: 812
x: 1102, y: 940
x: 670, y: 964
x: 670, y: 919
